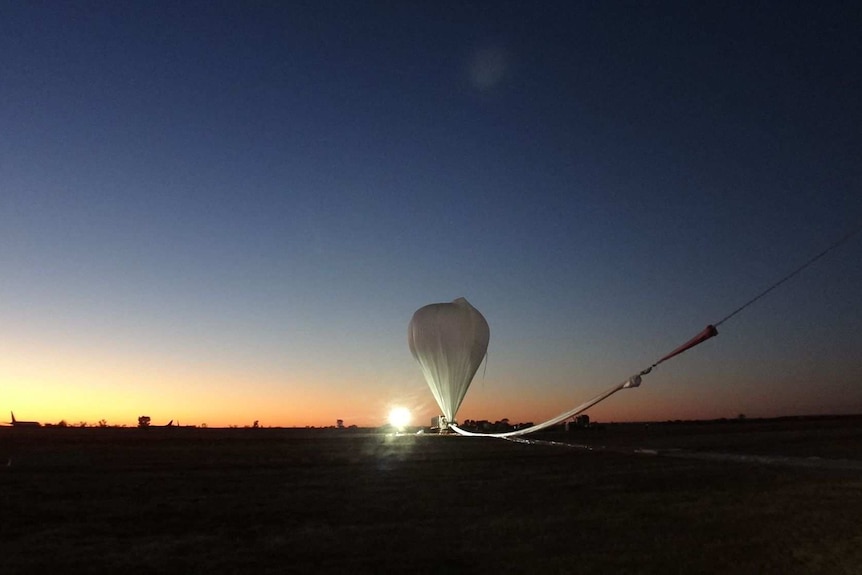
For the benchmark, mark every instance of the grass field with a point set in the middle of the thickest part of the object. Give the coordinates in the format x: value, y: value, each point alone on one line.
x: 325, y: 501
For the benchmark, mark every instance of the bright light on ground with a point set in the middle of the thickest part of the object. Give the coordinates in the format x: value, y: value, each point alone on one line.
x: 399, y: 417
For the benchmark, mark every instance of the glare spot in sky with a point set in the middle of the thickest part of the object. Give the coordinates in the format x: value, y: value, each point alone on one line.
x: 488, y: 67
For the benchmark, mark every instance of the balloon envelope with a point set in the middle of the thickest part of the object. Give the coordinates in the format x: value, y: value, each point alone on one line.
x: 449, y: 340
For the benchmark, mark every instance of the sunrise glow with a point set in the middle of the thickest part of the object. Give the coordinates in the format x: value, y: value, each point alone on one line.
x: 229, y: 228
x: 400, y: 417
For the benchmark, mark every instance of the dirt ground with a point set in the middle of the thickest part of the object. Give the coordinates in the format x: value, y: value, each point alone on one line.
x: 324, y: 501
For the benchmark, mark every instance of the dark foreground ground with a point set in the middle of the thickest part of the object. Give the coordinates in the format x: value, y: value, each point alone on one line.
x: 297, y: 501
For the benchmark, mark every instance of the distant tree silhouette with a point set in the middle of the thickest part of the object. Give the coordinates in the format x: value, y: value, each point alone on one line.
x: 103, y: 423
x: 144, y: 421
x: 256, y: 424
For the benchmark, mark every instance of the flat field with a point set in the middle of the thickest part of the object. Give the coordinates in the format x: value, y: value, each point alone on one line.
x: 323, y: 501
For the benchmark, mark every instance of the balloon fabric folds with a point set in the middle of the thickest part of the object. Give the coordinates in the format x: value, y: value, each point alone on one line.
x: 449, y: 340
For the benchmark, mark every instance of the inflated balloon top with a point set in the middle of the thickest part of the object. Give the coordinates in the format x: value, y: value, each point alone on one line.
x: 449, y: 340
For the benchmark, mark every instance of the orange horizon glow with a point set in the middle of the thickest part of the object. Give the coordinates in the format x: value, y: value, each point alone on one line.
x: 307, y: 404
x: 50, y: 384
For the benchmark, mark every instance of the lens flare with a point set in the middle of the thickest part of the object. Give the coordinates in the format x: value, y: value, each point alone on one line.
x: 399, y: 417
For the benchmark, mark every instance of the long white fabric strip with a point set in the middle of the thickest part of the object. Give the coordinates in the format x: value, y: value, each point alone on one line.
x: 633, y: 381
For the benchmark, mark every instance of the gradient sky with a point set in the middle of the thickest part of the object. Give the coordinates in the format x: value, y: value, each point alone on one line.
x: 224, y: 212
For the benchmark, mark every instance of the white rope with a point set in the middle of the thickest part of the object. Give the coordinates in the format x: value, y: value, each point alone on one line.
x: 633, y: 381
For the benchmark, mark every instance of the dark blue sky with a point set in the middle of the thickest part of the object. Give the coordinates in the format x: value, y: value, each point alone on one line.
x: 257, y: 196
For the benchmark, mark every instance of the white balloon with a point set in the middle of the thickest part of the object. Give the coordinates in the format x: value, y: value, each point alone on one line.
x: 449, y: 340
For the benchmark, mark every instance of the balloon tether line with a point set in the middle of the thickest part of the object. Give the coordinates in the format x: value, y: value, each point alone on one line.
x: 634, y: 381
x: 834, y: 245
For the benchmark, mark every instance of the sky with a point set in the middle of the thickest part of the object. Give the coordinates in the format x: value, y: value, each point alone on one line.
x: 222, y: 212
